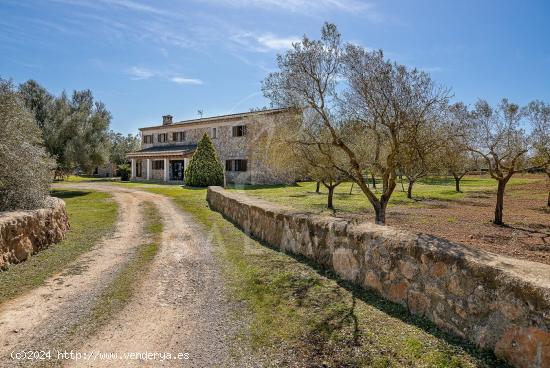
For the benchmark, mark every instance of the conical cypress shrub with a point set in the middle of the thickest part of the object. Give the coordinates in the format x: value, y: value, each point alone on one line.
x: 204, y: 168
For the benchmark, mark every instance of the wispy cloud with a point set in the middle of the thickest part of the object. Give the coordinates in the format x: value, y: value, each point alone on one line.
x: 182, y: 80
x: 301, y: 6
x: 262, y: 42
x: 140, y: 73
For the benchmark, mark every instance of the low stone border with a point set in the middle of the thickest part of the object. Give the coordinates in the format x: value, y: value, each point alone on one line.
x: 497, y: 302
x: 23, y: 233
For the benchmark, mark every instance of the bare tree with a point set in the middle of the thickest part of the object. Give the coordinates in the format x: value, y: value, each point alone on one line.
x: 538, y: 113
x: 497, y: 137
x: 419, y: 156
x: 382, y: 100
x: 396, y: 105
x: 454, y: 157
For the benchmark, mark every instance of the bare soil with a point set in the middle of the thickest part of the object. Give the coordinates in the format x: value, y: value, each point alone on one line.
x: 468, y: 221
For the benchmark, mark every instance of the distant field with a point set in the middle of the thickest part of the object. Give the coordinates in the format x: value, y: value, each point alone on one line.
x: 437, y: 209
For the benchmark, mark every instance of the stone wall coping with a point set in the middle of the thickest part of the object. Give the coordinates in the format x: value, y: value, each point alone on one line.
x: 525, y: 271
x: 52, y: 202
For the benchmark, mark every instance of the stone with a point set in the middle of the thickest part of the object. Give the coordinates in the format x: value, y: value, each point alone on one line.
x: 398, y: 292
x: 23, y: 233
x: 372, y: 281
x: 345, y: 264
x: 439, y: 269
x: 408, y: 269
x: 525, y: 347
x: 418, y: 303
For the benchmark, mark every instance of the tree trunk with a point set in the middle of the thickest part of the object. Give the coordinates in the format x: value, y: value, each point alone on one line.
x: 330, y: 195
x: 380, y: 213
x: 373, y: 181
x: 410, y: 189
x: 318, y: 188
x: 351, y: 188
x: 457, y: 183
x: 500, y: 202
x: 548, y: 173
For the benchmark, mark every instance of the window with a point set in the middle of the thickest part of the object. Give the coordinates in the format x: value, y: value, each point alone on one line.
x: 178, y: 136
x: 158, y: 165
x: 236, y: 165
x: 138, y: 169
x: 214, y: 132
x: 161, y: 138
x: 147, y: 139
x: 239, y: 131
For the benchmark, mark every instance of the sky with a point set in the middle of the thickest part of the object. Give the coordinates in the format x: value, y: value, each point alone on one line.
x: 145, y: 59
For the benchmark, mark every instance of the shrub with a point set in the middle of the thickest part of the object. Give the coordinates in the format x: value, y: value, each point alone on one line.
x: 25, y: 167
x: 204, y: 168
x: 125, y: 170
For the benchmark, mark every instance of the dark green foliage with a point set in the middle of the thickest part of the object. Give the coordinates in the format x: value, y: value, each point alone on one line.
x: 74, y: 129
x: 204, y: 168
x: 125, y: 170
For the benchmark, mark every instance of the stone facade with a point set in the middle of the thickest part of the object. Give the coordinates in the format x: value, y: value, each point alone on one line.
x: 23, y: 233
x: 249, y: 147
x: 496, y: 302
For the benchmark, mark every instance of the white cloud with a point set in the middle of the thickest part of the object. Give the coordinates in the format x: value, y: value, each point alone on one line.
x: 276, y: 43
x: 301, y: 6
x: 182, y: 80
x: 139, y: 73
x: 263, y: 42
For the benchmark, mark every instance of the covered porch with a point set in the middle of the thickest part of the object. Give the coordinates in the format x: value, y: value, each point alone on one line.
x: 160, y: 163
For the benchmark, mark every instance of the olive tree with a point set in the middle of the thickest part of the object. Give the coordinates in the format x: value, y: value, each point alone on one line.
x: 538, y: 114
x: 497, y: 136
x: 25, y: 167
x: 339, y: 85
x: 397, y: 107
x: 74, y: 129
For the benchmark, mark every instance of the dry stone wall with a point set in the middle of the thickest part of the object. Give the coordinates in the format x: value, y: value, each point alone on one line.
x: 498, y: 303
x: 23, y: 233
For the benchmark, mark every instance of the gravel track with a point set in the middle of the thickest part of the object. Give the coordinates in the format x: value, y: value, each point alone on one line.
x: 179, y: 307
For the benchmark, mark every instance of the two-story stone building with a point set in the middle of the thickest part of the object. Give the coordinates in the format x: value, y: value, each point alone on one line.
x: 167, y: 148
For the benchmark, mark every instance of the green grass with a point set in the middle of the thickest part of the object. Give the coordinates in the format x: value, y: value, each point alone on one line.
x: 303, y: 196
x: 92, y: 215
x: 85, y: 178
x: 300, y: 315
x: 120, y: 290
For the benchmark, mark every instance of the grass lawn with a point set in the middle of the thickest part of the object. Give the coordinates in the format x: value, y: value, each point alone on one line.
x: 92, y: 215
x: 303, y: 316
x: 437, y: 209
x: 303, y: 196
x: 85, y: 178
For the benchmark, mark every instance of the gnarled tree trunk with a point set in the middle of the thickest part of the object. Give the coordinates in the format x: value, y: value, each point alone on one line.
x: 318, y: 188
x: 457, y: 183
x: 499, y: 209
x: 410, y: 188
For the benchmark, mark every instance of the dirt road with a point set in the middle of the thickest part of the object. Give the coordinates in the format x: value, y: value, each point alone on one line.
x: 180, y: 308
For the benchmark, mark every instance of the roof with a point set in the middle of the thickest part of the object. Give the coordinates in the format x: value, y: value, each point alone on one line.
x: 165, y: 149
x: 220, y: 117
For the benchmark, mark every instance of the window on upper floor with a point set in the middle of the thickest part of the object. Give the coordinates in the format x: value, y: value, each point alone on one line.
x: 239, y: 131
x: 147, y: 139
x: 214, y: 132
x: 178, y: 136
x: 162, y: 137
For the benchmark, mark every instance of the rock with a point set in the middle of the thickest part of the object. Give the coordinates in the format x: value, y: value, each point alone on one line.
x: 23, y: 233
x: 345, y: 264
x: 525, y: 347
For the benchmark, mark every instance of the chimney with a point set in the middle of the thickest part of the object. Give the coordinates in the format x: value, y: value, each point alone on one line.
x: 167, y: 120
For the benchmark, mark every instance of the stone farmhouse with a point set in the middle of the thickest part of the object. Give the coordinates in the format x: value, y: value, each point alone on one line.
x: 238, y: 139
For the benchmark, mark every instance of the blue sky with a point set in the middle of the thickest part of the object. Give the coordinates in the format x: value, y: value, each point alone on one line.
x: 145, y: 59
